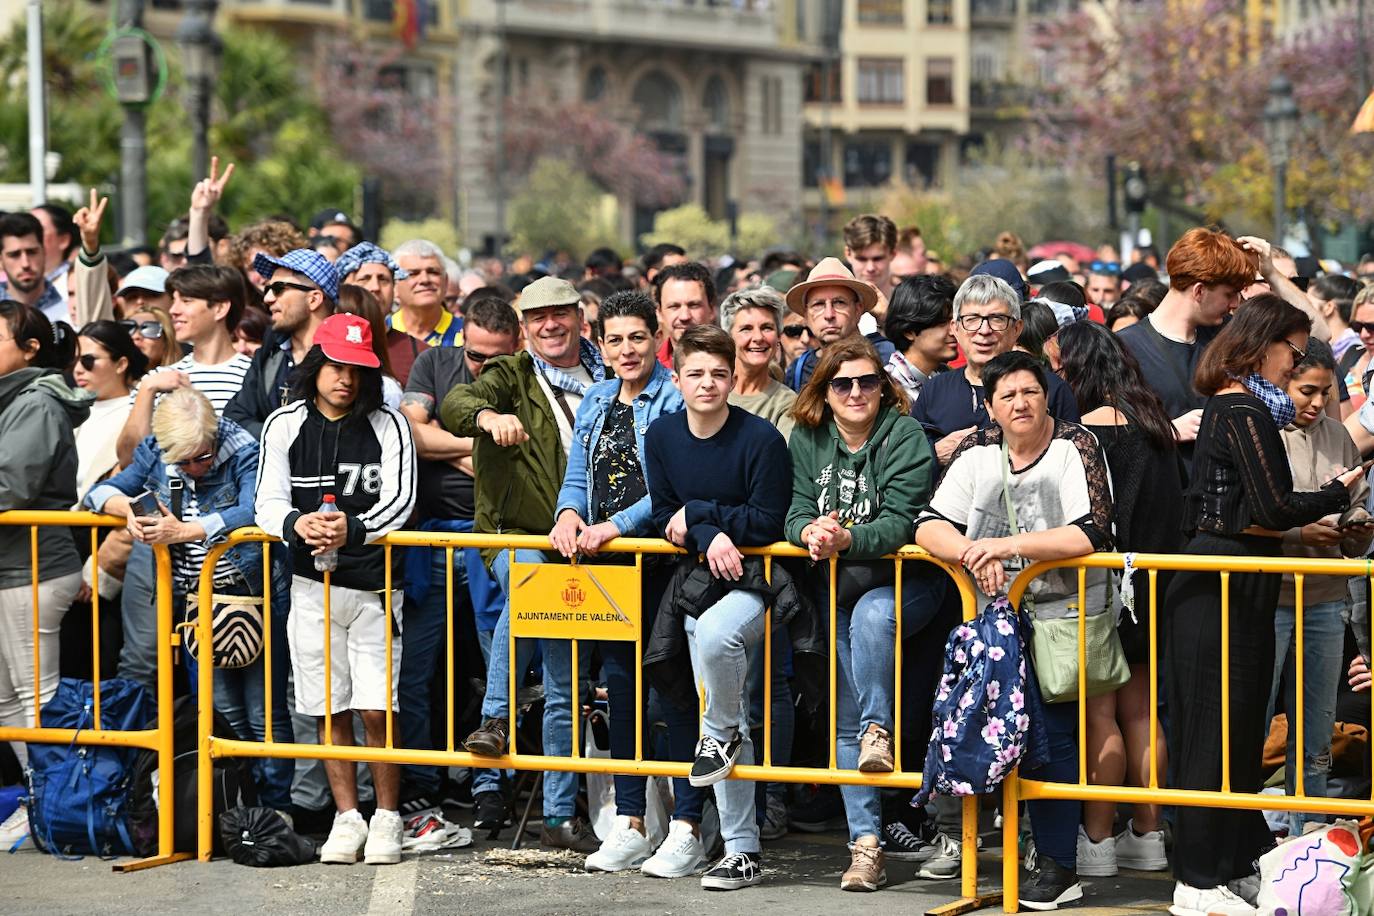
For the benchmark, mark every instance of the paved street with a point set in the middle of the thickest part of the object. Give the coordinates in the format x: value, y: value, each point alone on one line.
x: 802, y: 880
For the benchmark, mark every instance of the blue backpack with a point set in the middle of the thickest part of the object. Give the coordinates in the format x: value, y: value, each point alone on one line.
x: 79, y: 794
x: 988, y: 708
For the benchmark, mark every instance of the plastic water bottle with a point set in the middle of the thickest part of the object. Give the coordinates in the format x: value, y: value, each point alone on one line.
x: 329, y: 560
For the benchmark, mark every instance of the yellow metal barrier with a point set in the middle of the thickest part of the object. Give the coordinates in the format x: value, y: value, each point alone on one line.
x: 1016, y: 789
x: 212, y: 747
x: 158, y: 739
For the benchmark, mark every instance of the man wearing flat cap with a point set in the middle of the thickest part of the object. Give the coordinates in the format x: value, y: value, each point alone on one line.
x: 520, y: 411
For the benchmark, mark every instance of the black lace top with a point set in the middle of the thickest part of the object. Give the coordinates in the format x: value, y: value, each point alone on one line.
x: 1241, y: 476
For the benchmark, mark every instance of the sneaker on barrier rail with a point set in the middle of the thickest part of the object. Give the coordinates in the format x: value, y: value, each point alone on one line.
x: 346, y: 839
x: 384, y: 838
x: 875, y: 750
x: 625, y: 848
x: 737, y: 870
x: 714, y: 760
x: 680, y: 854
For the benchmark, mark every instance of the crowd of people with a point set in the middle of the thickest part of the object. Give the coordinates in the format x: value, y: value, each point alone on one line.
x: 996, y: 412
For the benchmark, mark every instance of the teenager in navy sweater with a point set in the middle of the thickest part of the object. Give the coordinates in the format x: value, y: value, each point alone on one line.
x: 719, y: 479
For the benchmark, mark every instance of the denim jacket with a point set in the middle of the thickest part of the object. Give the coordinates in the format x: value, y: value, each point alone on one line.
x: 659, y: 397
x: 224, y: 495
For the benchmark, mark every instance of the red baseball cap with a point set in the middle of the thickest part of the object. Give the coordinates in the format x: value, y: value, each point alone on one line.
x: 347, y: 339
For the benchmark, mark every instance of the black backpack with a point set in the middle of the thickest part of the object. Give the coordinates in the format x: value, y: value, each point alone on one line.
x: 233, y: 784
x: 261, y: 837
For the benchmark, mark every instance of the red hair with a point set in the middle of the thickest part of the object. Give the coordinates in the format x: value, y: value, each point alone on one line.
x: 1211, y: 258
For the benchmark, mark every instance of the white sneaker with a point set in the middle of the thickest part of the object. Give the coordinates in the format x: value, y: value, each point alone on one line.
x: 430, y: 832
x: 346, y: 839
x: 1246, y: 888
x: 15, y: 829
x: 1096, y: 860
x: 1142, y: 853
x: 1209, y: 901
x: 384, y: 838
x: 625, y: 848
x: 680, y: 855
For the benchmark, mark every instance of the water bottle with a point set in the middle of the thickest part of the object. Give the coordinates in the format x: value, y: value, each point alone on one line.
x: 329, y: 560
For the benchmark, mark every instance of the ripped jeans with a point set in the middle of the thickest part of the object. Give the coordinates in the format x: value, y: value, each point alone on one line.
x: 1323, y: 667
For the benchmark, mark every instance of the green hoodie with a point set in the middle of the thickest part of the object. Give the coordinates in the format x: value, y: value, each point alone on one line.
x: 878, y: 490
x: 38, y: 412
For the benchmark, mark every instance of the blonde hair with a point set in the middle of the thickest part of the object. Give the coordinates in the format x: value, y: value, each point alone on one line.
x: 184, y: 424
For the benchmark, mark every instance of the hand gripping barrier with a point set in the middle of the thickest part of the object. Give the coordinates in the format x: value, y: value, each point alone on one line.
x: 158, y: 738
x: 1016, y: 789
x: 627, y: 610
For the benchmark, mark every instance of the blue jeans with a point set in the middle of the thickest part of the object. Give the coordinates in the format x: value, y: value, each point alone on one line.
x: 1054, y: 824
x: 1323, y: 666
x: 723, y: 642
x: 426, y: 631
x: 560, y: 789
x: 865, y: 641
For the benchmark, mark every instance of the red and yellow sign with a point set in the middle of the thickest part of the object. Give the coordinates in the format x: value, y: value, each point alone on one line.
x: 553, y: 601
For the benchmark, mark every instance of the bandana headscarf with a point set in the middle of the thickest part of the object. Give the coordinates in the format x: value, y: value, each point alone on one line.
x: 367, y: 253
x: 1281, y: 406
x: 558, y: 379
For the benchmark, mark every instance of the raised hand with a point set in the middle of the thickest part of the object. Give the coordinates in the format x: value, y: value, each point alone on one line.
x: 87, y: 221
x: 208, y: 191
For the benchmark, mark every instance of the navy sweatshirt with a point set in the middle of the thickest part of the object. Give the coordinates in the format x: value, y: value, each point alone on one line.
x: 739, y: 481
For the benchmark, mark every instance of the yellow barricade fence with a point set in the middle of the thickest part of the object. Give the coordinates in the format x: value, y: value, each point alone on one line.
x: 597, y: 616
x: 158, y: 738
x: 1016, y: 789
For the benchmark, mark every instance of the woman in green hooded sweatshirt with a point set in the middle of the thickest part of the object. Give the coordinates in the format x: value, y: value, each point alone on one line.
x: 862, y: 472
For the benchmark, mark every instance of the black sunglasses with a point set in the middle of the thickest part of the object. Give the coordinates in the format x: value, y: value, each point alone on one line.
x: 1360, y: 326
x: 88, y: 361
x: 148, y: 330
x: 479, y: 357
x: 793, y: 330
x: 842, y: 385
x: 281, y: 286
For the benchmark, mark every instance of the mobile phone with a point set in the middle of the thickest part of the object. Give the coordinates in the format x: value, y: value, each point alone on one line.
x: 145, y: 505
x: 1366, y: 465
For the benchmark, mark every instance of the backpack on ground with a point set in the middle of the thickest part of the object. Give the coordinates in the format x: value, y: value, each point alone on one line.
x: 79, y: 794
x: 261, y: 837
x: 233, y: 784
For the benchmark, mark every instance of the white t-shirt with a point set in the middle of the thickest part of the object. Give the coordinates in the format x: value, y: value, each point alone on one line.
x: 565, y: 430
x: 217, y: 381
x: 95, y: 441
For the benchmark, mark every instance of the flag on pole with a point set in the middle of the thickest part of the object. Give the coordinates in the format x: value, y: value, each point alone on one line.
x: 407, y: 21
x: 1364, y: 121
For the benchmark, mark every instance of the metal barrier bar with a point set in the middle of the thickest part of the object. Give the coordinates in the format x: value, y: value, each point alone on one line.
x: 267, y: 642
x: 158, y: 739
x: 1225, y: 681
x: 1300, y: 756
x: 95, y: 627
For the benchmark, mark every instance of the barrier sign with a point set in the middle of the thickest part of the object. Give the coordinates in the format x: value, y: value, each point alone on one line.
x: 554, y: 601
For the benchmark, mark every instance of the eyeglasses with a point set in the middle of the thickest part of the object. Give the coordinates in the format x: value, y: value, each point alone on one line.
x: 1298, y: 355
x: 839, y: 305
x: 844, y: 385
x: 1110, y: 268
x: 199, y: 459
x: 148, y: 330
x: 88, y: 361
x: 975, y: 322
x: 281, y: 286
x: 1360, y: 326
x: 794, y: 330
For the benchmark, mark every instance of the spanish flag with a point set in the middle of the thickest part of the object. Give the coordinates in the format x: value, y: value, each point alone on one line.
x: 407, y: 21
x: 1364, y: 121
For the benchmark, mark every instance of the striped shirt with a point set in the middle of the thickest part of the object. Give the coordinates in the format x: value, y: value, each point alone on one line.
x: 189, y: 558
x: 219, y: 381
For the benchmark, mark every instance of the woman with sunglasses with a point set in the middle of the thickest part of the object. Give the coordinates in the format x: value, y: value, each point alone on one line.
x: 152, y: 332
x: 108, y: 365
x: 862, y: 470
x: 202, y: 471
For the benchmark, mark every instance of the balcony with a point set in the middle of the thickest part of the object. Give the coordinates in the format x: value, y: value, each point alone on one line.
x: 707, y: 24
x: 988, y: 98
x: 992, y: 12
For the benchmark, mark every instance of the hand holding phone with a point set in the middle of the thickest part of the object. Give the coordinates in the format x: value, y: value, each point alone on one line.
x: 145, y: 505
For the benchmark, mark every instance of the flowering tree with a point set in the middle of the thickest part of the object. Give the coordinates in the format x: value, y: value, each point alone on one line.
x: 1172, y: 86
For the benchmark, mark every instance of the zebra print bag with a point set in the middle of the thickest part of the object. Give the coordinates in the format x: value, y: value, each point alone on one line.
x: 236, y: 622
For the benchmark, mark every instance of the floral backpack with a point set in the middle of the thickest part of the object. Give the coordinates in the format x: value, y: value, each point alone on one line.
x: 987, y: 710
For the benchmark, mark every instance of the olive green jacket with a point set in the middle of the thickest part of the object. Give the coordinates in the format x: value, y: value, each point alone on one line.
x: 515, y: 488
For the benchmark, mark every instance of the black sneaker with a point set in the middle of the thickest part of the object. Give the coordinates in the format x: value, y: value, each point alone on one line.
x: 737, y: 870
x: 903, y: 844
x: 420, y: 804
x: 821, y: 812
x: 714, y: 760
x: 1049, y: 886
x: 490, y: 811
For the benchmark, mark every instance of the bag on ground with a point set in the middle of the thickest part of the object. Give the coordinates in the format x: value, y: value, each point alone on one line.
x: 261, y: 837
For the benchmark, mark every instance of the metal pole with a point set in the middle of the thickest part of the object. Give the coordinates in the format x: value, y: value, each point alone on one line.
x: 38, y: 115
x: 1361, y: 51
x: 133, y: 152
x: 827, y: 156
x: 1280, y: 200
x: 500, y: 176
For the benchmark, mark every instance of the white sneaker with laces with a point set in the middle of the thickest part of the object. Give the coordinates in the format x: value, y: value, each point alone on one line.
x: 430, y: 832
x: 1096, y: 860
x: 678, y: 856
x: 384, y: 838
x: 1208, y: 901
x: 15, y: 829
x: 1142, y: 853
x: 346, y: 839
x: 947, y: 860
x: 625, y: 848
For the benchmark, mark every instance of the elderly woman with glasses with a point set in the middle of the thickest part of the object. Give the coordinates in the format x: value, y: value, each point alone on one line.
x: 190, y: 484
x: 862, y: 470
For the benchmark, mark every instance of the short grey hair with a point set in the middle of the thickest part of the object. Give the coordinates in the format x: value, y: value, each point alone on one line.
x: 419, y: 248
x: 985, y: 289
x: 761, y: 297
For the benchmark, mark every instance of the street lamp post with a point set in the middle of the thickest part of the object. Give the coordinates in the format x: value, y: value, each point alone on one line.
x: 200, y: 54
x: 1280, y: 124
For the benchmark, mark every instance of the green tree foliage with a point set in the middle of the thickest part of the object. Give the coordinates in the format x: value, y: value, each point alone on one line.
x: 558, y: 208
x: 692, y: 227
x: 263, y: 121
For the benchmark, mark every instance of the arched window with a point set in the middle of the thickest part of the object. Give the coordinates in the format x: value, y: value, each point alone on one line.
x: 659, y: 101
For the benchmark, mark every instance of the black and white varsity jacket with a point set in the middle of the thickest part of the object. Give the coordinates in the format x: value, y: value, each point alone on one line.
x: 368, y: 463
